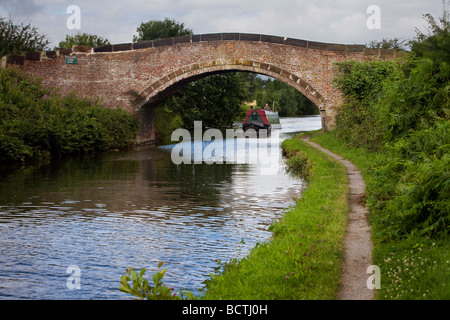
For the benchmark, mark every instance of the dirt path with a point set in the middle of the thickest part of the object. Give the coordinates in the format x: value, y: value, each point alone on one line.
x: 357, y: 243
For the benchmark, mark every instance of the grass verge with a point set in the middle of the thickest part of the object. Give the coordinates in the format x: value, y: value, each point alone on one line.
x: 411, y: 268
x: 303, y: 260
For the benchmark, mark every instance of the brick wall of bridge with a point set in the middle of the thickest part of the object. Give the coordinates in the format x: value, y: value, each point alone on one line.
x: 130, y: 75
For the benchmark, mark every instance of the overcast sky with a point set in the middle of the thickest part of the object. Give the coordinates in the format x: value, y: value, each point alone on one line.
x: 333, y: 21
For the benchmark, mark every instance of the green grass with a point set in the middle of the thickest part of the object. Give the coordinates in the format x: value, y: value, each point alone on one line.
x: 411, y: 268
x: 303, y: 260
x: 414, y: 269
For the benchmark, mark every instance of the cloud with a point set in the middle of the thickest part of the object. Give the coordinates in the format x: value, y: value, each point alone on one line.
x: 19, y: 9
x: 336, y: 21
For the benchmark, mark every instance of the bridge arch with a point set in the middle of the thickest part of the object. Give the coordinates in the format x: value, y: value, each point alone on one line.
x: 169, y: 83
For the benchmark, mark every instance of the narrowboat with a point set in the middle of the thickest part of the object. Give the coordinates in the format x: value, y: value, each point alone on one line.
x: 258, y: 119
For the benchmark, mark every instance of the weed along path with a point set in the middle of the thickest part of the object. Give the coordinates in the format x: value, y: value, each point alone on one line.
x: 357, y: 243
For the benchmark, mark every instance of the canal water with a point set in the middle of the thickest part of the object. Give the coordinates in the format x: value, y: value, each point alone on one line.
x: 69, y: 230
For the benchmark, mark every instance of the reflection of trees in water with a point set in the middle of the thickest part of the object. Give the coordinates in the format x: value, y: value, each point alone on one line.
x: 61, y: 179
x: 122, y: 182
x: 188, y: 182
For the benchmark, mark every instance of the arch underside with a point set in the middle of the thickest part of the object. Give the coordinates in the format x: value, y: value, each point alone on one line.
x: 177, y: 79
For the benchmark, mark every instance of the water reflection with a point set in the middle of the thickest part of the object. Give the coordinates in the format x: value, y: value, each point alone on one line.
x: 130, y: 209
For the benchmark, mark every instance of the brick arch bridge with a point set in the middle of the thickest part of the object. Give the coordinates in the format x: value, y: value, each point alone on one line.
x: 131, y: 76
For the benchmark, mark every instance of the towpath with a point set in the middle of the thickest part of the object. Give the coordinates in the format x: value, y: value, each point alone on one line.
x: 358, y: 242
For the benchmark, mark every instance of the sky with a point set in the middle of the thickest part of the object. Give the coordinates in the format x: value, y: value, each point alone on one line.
x: 331, y: 21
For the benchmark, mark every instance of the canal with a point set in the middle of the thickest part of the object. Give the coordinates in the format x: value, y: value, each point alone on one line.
x: 100, y: 215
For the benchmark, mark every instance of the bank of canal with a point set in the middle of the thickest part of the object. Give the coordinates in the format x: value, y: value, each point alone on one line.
x: 303, y: 260
x: 133, y: 209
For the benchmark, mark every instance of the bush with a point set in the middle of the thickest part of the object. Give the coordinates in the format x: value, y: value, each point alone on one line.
x: 411, y: 187
x: 143, y: 290
x: 37, y: 122
x: 166, y: 121
x: 362, y: 85
x: 297, y: 162
x: 401, y: 110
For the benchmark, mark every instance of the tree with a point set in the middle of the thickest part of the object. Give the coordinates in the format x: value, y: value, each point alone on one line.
x: 215, y: 100
x: 79, y: 39
x: 285, y: 99
x: 160, y: 29
x: 395, y: 43
x: 436, y: 44
x: 18, y: 38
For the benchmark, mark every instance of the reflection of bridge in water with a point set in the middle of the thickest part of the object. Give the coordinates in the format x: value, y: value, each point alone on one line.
x: 132, y: 75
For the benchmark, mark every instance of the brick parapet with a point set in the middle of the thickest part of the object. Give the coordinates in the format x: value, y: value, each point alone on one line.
x: 249, y: 37
x: 348, y: 48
